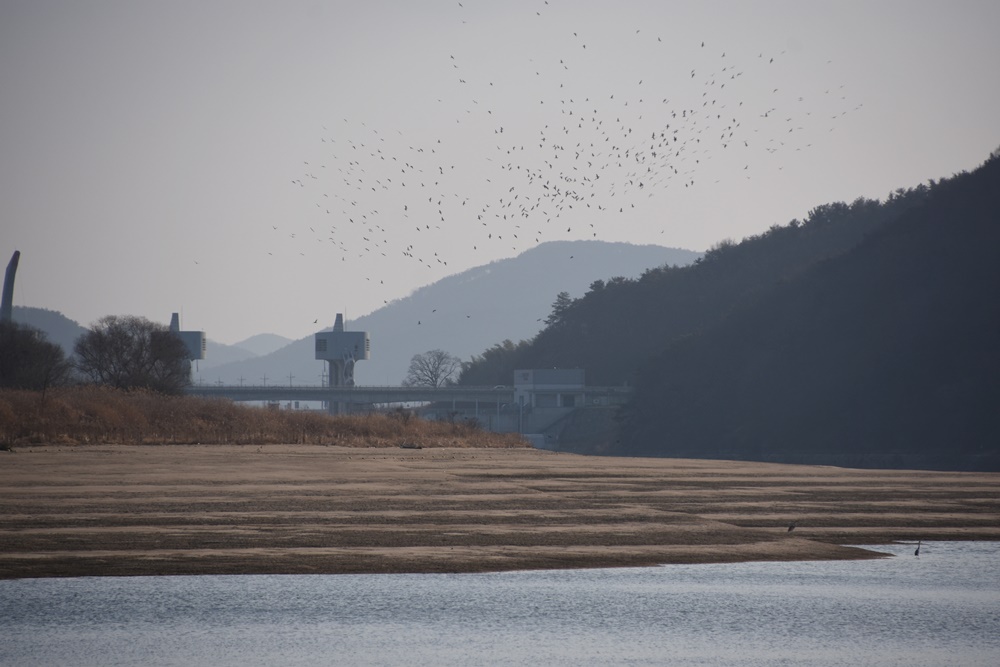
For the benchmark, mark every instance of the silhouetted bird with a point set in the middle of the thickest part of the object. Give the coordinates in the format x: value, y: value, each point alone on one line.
x: 917, y: 552
x: 791, y: 526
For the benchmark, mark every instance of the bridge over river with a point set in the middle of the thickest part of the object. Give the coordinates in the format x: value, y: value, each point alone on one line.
x: 499, y: 409
x: 356, y: 395
x: 381, y: 395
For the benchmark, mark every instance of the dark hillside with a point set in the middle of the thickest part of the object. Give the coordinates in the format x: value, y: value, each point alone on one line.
x: 620, y: 323
x: 888, y: 355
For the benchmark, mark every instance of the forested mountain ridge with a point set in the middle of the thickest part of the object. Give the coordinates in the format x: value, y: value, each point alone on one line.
x: 887, y: 355
x: 620, y: 323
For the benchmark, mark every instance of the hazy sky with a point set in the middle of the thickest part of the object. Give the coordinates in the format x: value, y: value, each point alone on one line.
x: 258, y: 166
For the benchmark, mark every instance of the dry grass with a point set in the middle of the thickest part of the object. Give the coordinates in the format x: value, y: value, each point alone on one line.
x: 97, y: 415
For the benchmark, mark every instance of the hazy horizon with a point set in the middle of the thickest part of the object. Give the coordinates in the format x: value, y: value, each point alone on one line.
x: 259, y: 167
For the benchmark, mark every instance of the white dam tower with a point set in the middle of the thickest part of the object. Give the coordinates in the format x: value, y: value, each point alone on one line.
x: 341, y: 350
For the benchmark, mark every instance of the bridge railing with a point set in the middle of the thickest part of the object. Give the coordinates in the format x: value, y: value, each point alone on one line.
x: 391, y: 394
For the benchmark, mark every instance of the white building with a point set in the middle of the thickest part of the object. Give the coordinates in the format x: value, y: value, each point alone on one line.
x: 549, y: 388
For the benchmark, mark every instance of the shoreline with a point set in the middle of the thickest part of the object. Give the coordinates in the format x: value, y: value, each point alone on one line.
x: 131, y: 510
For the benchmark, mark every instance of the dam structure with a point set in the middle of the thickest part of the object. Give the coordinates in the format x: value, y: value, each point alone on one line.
x: 547, y: 410
x: 341, y: 350
x: 542, y: 404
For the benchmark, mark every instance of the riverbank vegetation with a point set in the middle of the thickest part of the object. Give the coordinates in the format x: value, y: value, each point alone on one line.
x: 82, y: 415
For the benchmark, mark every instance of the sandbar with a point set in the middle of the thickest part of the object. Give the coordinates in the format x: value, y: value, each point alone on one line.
x: 129, y: 510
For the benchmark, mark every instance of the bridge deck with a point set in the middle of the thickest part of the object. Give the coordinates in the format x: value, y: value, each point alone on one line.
x: 612, y: 395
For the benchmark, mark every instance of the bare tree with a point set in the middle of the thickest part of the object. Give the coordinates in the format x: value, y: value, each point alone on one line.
x: 28, y: 360
x: 434, y: 368
x: 132, y: 352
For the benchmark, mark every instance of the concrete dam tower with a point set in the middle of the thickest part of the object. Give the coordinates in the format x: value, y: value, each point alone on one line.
x: 194, y: 341
x: 341, y: 350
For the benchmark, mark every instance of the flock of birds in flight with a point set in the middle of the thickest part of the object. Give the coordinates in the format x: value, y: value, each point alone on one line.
x: 572, y: 162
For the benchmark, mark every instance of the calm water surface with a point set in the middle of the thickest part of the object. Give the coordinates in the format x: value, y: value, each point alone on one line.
x: 941, y: 608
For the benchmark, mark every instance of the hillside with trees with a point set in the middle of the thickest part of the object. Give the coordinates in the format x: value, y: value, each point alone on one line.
x: 620, y: 323
x: 885, y: 356
x: 867, y: 334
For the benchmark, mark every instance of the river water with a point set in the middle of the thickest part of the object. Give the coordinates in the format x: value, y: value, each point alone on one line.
x: 939, y: 608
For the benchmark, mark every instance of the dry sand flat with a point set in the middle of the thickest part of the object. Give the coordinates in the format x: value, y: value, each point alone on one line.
x: 178, y: 509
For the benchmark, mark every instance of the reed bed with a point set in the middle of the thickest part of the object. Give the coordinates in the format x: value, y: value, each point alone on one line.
x: 99, y: 415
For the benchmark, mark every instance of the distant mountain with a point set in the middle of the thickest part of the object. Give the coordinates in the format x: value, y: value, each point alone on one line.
x: 220, y: 354
x: 58, y: 328
x: 262, y: 344
x: 462, y: 314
